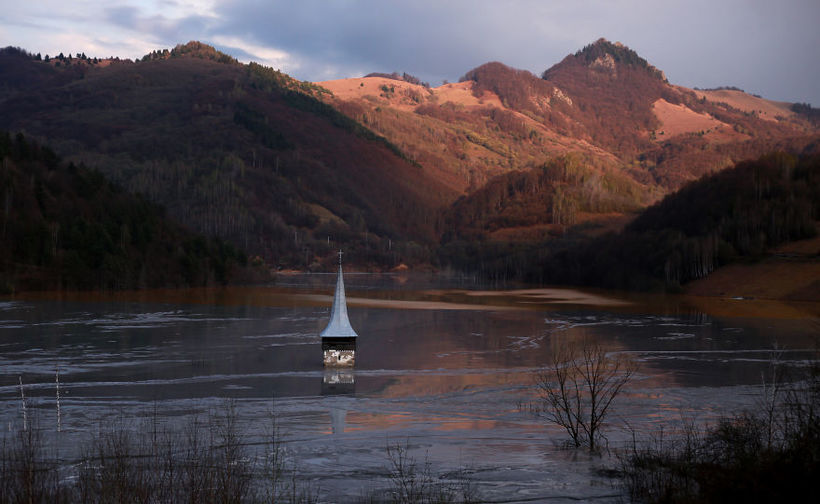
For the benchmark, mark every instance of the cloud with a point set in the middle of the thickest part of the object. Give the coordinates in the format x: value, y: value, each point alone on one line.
x: 697, y: 43
x: 245, y: 51
x: 159, y: 27
x: 762, y: 46
x: 434, y: 40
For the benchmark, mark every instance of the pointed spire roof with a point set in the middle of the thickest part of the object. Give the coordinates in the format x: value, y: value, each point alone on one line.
x: 339, y: 325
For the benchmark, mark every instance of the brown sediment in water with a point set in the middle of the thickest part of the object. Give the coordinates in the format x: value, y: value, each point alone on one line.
x: 545, y: 299
x: 258, y: 296
x: 402, y: 304
x: 555, y: 296
x: 451, y: 299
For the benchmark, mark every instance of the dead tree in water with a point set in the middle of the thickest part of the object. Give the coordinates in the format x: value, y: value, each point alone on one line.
x: 579, y: 387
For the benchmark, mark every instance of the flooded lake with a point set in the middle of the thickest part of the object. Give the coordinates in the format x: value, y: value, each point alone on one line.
x: 447, y: 371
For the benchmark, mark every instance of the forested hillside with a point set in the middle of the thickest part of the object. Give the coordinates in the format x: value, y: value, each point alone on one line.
x: 559, y: 194
x: 239, y: 152
x: 66, y: 226
x: 735, y: 215
x: 498, y: 136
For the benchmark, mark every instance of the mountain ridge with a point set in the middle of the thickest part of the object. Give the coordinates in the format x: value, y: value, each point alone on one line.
x: 238, y: 151
x: 584, y: 103
x: 499, y: 126
x: 384, y: 165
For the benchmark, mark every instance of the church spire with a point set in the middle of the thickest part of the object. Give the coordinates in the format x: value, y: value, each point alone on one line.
x: 339, y: 324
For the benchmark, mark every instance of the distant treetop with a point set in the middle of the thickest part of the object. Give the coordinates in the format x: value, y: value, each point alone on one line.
x: 619, y: 52
x: 720, y: 88
x: 194, y: 49
x: 16, y: 51
x: 157, y: 55
x: 64, y: 59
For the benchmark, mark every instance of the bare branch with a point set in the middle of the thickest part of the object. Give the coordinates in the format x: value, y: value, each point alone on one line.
x: 579, y: 387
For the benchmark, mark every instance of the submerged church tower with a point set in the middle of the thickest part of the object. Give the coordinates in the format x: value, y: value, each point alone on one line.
x: 339, y: 338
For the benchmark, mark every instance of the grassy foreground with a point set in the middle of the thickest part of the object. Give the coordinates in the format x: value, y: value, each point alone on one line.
x: 769, y: 455
x: 208, y: 460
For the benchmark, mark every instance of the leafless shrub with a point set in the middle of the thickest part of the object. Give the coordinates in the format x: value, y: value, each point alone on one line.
x: 767, y: 455
x: 413, y: 483
x: 661, y: 466
x: 579, y: 387
x: 146, y: 462
x: 27, y: 472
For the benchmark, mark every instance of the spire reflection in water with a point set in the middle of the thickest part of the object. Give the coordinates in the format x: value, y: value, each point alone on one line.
x: 338, y: 381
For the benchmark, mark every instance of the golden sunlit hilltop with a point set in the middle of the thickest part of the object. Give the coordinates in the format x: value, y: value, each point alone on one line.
x: 604, y: 101
x: 597, y: 137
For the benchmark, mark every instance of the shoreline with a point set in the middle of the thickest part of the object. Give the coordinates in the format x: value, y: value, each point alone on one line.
x: 549, y: 299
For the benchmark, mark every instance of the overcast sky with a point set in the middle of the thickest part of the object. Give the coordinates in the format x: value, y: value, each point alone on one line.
x: 767, y: 47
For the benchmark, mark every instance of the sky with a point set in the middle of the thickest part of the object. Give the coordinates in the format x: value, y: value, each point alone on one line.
x: 770, y: 48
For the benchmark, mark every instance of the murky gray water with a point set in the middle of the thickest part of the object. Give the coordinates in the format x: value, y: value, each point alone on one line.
x: 451, y: 379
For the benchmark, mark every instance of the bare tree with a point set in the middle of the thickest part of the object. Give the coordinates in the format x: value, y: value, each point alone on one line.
x: 579, y: 387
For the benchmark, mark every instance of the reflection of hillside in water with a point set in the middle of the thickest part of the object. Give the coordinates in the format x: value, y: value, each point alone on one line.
x: 163, y: 350
x: 450, y: 372
x: 440, y: 352
x: 264, y: 340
